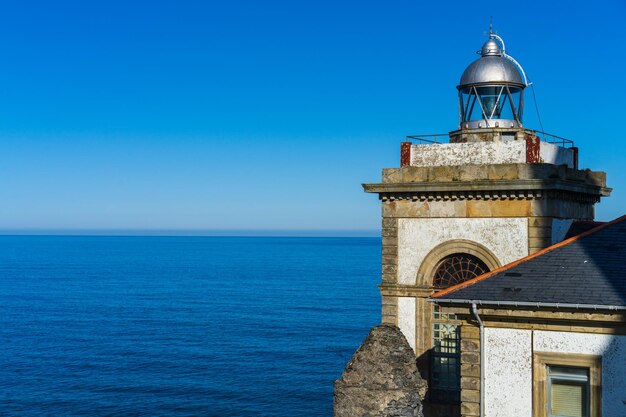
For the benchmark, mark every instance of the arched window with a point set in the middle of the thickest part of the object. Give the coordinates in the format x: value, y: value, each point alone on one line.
x: 434, y: 264
x: 445, y: 381
x: 457, y: 268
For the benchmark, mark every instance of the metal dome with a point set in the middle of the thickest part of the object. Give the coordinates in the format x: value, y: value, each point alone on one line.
x: 491, y: 67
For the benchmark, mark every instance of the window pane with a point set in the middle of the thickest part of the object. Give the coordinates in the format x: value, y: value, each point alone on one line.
x: 568, y: 399
x: 569, y: 391
x: 578, y: 374
x: 446, y: 367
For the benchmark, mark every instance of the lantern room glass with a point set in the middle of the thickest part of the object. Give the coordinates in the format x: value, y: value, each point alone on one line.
x: 491, y: 106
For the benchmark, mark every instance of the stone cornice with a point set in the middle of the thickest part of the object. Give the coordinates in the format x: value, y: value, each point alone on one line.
x: 489, y: 190
x: 400, y: 290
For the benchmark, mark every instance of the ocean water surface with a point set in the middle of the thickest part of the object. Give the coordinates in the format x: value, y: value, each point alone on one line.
x: 181, y: 326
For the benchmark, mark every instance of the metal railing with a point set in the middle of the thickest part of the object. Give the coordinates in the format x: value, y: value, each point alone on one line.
x: 426, y: 138
x: 555, y: 140
x: 436, y: 138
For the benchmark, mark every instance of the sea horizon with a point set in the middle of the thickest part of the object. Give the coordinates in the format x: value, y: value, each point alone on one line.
x: 322, y: 233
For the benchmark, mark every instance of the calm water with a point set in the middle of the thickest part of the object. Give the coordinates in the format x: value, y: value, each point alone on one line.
x: 181, y: 326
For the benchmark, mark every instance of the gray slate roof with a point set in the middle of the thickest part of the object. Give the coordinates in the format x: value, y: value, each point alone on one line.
x: 587, y: 271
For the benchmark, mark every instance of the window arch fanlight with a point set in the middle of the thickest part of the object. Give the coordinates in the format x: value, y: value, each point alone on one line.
x: 457, y: 268
x: 455, y: 261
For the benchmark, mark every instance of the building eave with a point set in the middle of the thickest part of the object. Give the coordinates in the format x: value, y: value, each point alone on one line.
x: 528, y: 305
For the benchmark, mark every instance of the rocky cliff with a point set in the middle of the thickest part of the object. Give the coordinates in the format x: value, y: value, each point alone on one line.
x: 381, y: 379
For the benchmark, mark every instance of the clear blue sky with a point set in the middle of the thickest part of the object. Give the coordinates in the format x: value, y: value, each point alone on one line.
x: 122, y: 115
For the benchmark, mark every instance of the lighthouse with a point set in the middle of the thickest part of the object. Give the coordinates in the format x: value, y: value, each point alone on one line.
x: 490, y: 192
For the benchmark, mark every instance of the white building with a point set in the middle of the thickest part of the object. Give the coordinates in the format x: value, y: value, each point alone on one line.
x: 546, y: 336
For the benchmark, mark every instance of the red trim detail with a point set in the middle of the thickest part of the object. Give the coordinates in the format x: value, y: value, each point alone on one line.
x: 405, y: 154
x: 527, y: 258
x: 533, y: 155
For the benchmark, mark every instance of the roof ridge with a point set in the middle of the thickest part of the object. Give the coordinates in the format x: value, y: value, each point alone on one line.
x: 565, y: 242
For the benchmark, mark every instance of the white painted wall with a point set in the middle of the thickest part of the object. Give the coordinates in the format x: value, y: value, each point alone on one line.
x: 506, y: 238
x: 471, y: 153
x: 553, y: 154
x: 508, y: 373
x: 508, y: 367
x: 481, y: 153
x: 406, y: 318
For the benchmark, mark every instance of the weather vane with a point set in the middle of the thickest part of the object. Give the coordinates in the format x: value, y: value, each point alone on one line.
x: 491, y: 31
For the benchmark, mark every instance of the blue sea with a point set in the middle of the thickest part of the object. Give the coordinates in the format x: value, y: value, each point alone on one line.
x: 181, y: 326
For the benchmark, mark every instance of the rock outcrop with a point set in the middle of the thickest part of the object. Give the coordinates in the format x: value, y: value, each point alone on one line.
x: 381, y: 379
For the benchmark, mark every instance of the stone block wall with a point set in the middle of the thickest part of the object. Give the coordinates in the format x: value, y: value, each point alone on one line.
x: 470, y: 370
x: 504, y: 171
x: 390, y: 269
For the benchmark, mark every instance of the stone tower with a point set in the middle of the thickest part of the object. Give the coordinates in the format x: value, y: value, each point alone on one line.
x: 496, y: 192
